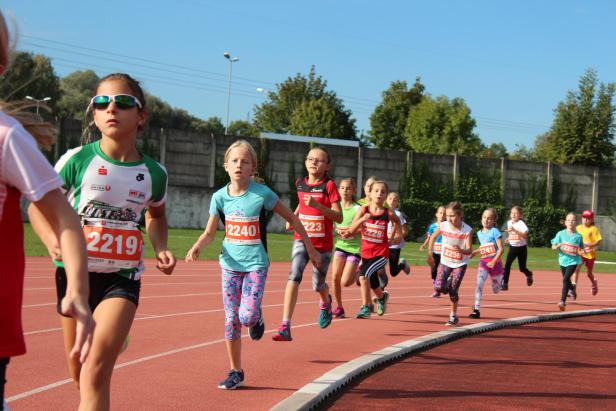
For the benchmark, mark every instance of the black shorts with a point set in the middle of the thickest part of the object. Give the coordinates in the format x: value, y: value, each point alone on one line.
x: 102, y: 287
x: 372, y: 265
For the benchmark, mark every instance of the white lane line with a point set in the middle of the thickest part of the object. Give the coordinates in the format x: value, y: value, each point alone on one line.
x: 56, y: 384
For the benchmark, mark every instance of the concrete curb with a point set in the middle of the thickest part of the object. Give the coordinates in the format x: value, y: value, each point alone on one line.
x: 311, y: 395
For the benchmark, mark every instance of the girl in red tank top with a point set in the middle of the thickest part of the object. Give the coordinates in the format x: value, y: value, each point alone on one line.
x: 373, y: 220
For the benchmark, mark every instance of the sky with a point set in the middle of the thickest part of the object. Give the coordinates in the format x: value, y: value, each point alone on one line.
x: 512, y: 62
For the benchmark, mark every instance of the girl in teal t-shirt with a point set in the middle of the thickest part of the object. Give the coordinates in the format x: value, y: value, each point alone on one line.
x: 570, y: 246
x: 243, y: 260
x: 346, y: 254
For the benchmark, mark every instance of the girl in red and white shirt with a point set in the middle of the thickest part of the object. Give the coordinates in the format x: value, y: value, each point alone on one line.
x: 456, y: 251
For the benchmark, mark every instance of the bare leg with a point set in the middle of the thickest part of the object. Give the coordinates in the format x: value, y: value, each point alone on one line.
x: 114, y: 318
x: 234, y: 351
x: 348, y: 275
x: 290, y: 299
x: 68, y: 332
x: 338, y: 265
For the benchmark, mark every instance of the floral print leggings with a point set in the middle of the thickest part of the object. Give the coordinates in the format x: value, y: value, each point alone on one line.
x: 242, y: 293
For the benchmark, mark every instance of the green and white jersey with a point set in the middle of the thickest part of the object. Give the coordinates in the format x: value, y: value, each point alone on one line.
x: 111, y: 197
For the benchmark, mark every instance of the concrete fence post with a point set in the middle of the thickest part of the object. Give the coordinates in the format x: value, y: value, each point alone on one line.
x: 549, y: 182
x: 163, y: 146
x: 503, y: 179
x: 360, y: 168
x: 594, y: 204
x: 212, y: 180
x: 456, y: 169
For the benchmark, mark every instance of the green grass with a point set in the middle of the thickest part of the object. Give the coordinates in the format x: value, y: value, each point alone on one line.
x: 279, y: 245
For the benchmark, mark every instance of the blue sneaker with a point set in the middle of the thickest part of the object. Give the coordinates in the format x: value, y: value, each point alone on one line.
x: 256, y: 331
x: 364, y: 312
x: 234, y: 380
x: 325, y: 316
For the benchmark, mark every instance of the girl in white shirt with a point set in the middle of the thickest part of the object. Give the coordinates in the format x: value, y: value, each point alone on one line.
x: 518, y: 234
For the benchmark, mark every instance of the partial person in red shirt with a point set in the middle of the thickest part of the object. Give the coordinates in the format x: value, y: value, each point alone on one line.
x: 24, y: 170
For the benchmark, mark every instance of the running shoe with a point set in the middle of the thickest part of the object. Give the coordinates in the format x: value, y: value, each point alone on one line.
x: 595, y: 287
x: 256, y: 331
x: 453, y: 321
x: 475, y: 314
x: 436, y: 294
x: 529, y: 279
x: 234, y: 379
x: 505, y: 287
x: 364, y: 312
x: 325, y: 315
x: 573, y: 291
x: 5, y: 406
x: 338, y: 312
x: 405, y: 267
x: 562, y: 305
x: 284, y: 333
x: 381, y: 304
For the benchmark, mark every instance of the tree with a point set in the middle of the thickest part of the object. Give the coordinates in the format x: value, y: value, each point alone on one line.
x: 390, y: 117
x: 77, y: 89
x: 242, y: 128
x: 277, y: 114
x: 30, y: 75
x: 442, y: 126
x: 583, y: 127
x: 495, y: 150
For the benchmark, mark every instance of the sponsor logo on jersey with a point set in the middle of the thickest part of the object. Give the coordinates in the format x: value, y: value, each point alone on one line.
x: 136, y: 194
x: 107, y: 188
x: 102, y: 171
x: 140, y: 177
x: 97, y: 187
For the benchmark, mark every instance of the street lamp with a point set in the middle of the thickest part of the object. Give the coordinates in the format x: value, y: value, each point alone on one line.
x: 38, y: 101
x: 231, y: 61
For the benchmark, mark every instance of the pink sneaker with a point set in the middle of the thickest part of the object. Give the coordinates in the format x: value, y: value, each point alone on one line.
x: 338, y: 312
x: 595, y: 287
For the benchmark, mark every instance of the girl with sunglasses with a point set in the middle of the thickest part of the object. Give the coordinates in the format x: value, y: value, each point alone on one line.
x: 115, y: 189
x: 24, y: 170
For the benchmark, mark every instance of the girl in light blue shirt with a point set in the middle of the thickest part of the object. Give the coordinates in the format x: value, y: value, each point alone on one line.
x: 570, y: 247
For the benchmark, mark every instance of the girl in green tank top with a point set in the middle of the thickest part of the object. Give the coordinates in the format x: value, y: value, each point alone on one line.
x: 346, y: 254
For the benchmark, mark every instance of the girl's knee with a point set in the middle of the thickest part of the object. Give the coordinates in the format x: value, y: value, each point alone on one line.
x: 249, y: 318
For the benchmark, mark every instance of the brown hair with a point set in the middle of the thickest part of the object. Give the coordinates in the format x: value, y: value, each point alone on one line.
x: 323, y: 149
x: 379, y: 181
x: 352, y: 183
x: 135, y: 88
x: 43, y: 131
x: 493, y: 211
x: 518, y: 209
x: 456, y: 207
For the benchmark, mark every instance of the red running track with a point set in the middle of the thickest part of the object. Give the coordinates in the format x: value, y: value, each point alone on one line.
x: 564, y: 365
x: 176, y: 356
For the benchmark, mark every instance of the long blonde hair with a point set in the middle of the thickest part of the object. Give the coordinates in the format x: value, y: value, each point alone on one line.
x: 43, y: 132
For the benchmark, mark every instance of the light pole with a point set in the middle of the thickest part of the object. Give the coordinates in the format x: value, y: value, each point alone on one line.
x: 231, y: 61
x: 38, y: 101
